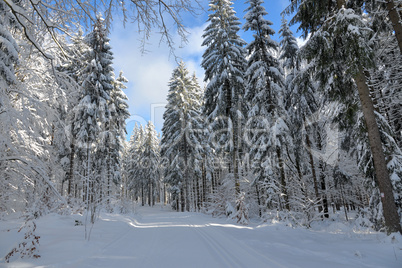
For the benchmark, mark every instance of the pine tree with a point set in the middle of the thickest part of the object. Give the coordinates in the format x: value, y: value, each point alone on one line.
x: 92, y: 114
x: 224, y: 63
x: 384, y: 84
x: 180, y: 144
x: 264, y: 82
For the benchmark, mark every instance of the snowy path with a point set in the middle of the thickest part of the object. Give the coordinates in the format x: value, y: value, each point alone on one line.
x: 170, y: 239
x: 159, y: 237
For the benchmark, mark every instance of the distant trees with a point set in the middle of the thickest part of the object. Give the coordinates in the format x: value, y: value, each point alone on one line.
x: 181, y: 147
x: 144, y: 165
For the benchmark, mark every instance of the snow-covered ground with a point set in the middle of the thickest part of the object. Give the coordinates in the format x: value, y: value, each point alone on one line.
x: 159, y: 237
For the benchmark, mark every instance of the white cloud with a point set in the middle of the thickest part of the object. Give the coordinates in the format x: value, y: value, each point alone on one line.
x: 149, y: 73
x: 195, y: 40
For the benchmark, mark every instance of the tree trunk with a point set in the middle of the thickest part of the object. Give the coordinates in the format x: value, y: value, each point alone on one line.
x: 149, y: 191
x: 283, y: 178
x: 142, y: 195
x: 384, y: 182
x: 322, y: 177
x: 213, y: 180
x: 344, y: 204
x: 186, y: 179
x: 183, y: 202
x: 396, y: 21
x: 204, y: 183
x: 236, y: 150
x: 70, y: 174
x: 108, y: 190
x: 236, y: 171
x: 198, y: 192
x: 323, y: 189
x: 258, y: 199
x: 308, y: 144
x: 153, y: 193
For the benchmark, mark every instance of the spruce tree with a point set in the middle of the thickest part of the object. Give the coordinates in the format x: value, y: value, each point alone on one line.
x: 264, y: 82
x: 180, y: 133
x: 92, y: 113
x: 224, y: 63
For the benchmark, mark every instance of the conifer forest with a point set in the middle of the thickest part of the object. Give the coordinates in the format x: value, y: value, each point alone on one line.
x: 275, y: 132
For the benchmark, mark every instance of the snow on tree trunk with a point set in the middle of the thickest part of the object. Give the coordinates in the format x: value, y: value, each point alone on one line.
x: 396, y: 21
x: 384, y: 183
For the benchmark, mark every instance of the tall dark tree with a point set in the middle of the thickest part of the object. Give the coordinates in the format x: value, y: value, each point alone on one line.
x: 224, y: 63
x: 264, y: 85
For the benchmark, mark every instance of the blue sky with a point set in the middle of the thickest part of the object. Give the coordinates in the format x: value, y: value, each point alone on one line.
x: 149, y: 74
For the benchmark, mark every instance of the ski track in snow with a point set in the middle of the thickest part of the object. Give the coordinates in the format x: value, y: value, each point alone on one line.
x: 160, y: 237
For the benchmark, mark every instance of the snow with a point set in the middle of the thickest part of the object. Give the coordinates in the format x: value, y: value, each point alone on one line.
x: 160, y: 237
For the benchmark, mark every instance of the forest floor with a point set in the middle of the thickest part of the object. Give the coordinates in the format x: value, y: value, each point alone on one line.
x: 160, y: 237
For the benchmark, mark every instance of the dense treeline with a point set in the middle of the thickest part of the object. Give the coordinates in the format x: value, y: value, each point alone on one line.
x: 287, y: 132
x: 279, y: 132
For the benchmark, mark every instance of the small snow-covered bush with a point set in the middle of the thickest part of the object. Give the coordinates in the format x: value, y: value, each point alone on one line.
x: 242, y: 209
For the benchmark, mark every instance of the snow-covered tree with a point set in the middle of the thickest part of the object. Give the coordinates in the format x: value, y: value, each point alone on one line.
x: 70, y: 80
x: 344, y: 37
x: 144, y: 165
x: 51, y: 18
x: 264, y: 82
x: 8, y: 59
x: 92, y: 113
x: 118, y: 115
x: 150, y: 162
x: 8, y: 46
x: 300, y: 102
x: 135, y: 183
x: 30, y: 101
x: 224, y: 63
x: 181, y: 145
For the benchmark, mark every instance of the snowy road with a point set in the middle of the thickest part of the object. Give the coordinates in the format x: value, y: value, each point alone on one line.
x: 162, y: 238
x: 159, y: 237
